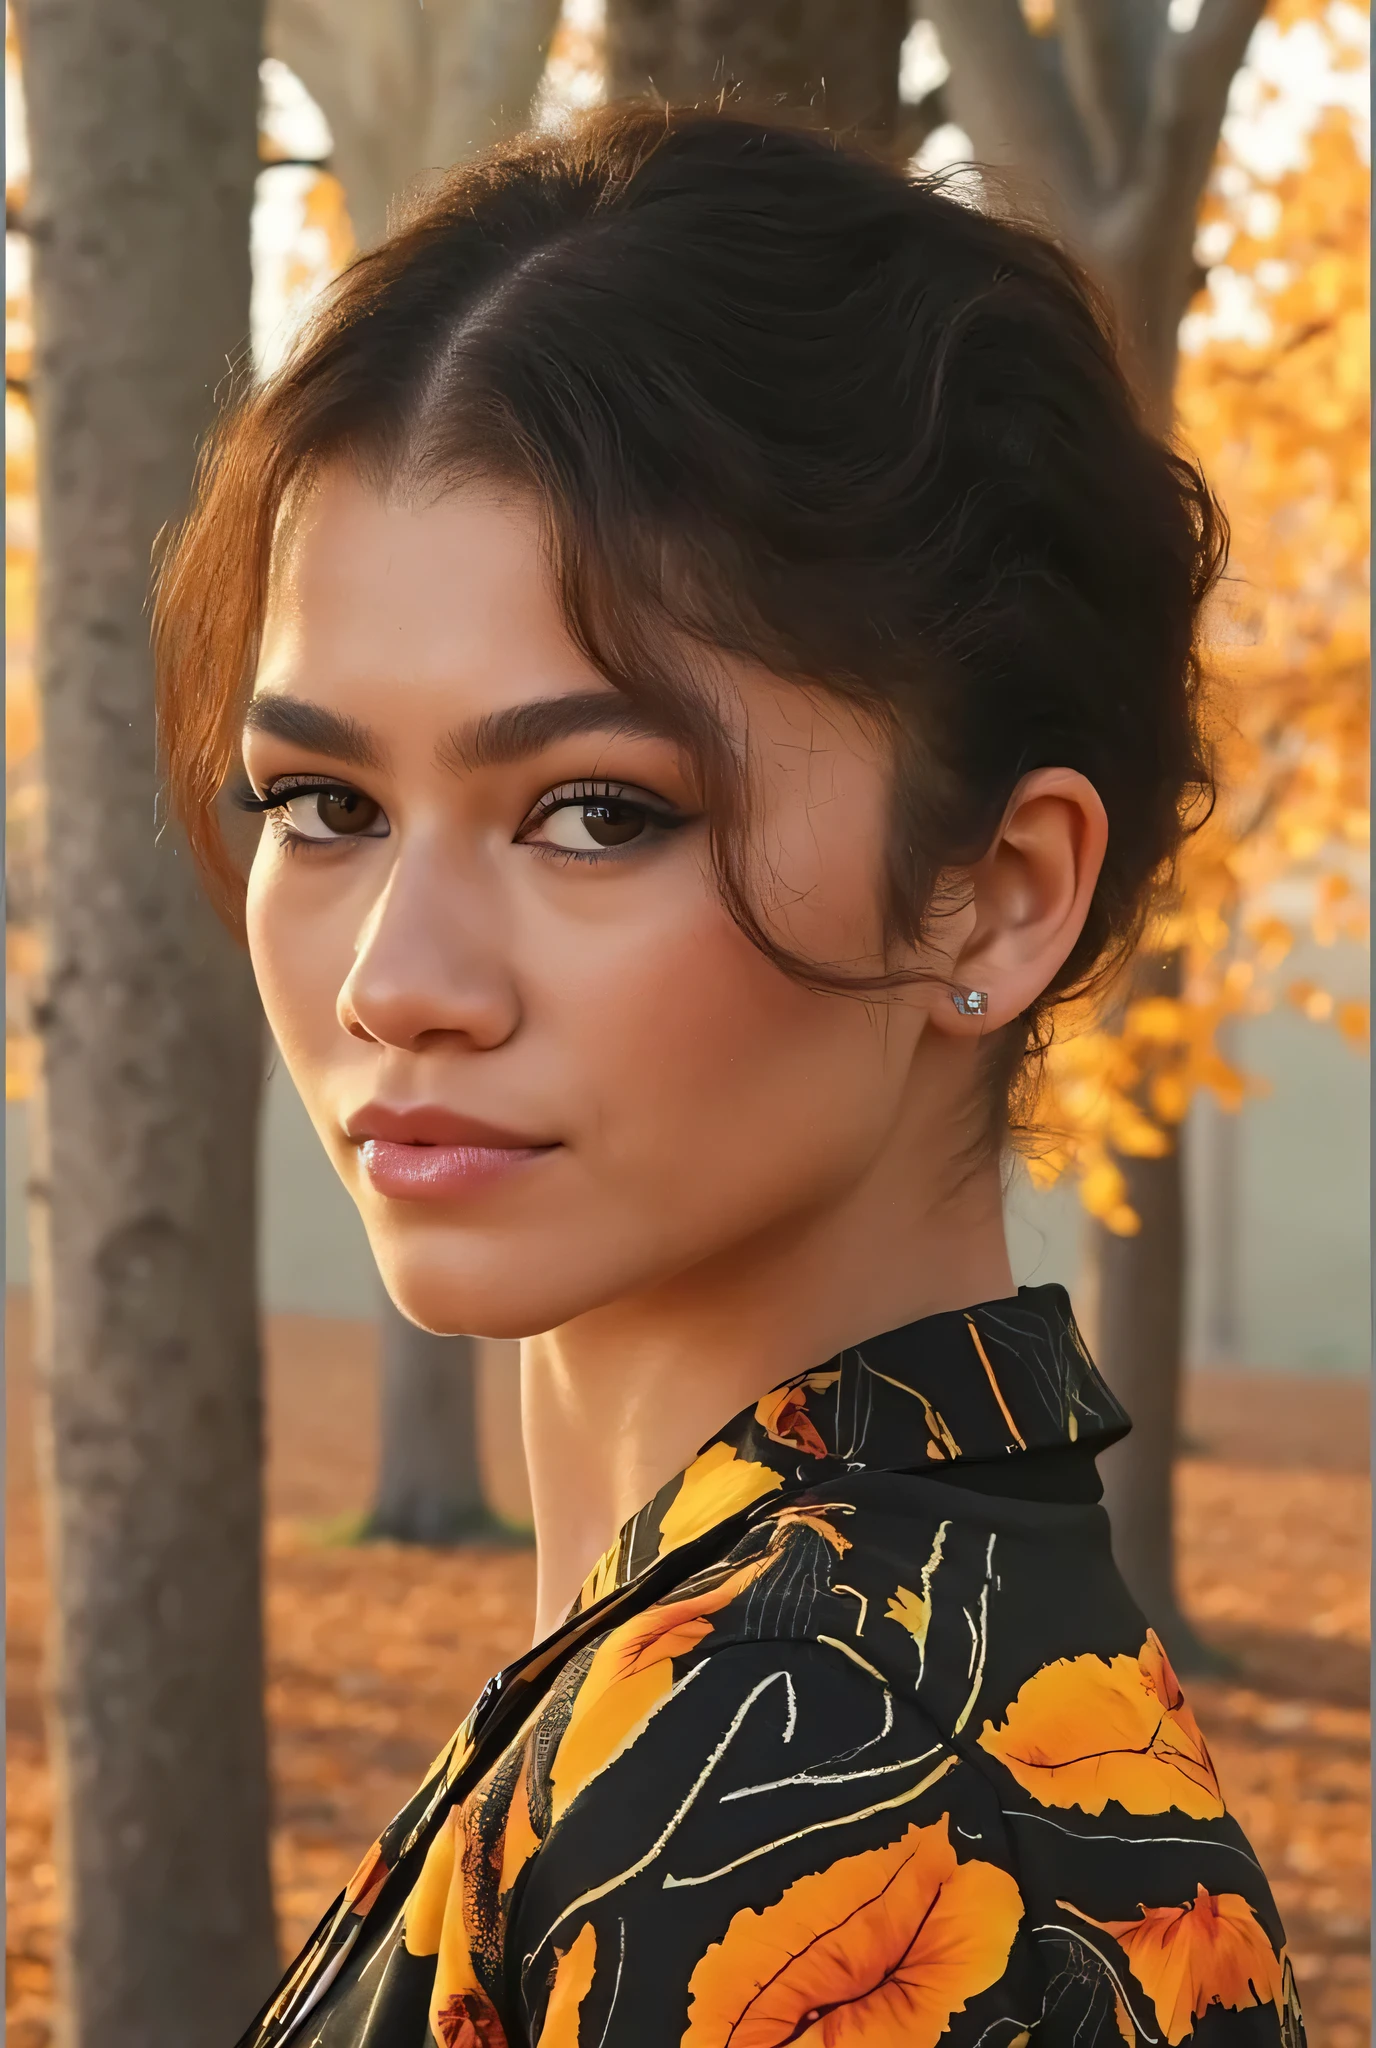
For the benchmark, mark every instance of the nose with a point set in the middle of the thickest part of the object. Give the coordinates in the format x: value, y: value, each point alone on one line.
x: 428, y: 966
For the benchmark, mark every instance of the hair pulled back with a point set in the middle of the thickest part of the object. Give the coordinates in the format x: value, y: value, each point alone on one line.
x: 778, y: 400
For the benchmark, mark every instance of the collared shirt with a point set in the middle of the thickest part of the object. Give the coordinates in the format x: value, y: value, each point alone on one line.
x: 854, y: 1736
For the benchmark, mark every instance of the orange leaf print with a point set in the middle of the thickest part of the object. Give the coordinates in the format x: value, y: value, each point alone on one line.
x: 808, y: 1518
x: 631, y: 1674
x: 1187, y: 1958
x: 573, y: 1977
x: 882, y: 1949
x: 716, y: 1485
x: 367, y: 1881
x: 783, y: 1415
x: 1086, y: 1730
x: 468, y: 2021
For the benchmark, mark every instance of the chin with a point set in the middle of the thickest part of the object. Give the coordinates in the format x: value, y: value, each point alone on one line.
x: 455, y: 1286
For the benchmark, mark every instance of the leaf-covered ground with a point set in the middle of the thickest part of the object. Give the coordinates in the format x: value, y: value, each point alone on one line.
x: 376, y: 1651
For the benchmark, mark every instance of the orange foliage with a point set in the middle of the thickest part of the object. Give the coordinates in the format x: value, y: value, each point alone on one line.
x: 1280, y: 420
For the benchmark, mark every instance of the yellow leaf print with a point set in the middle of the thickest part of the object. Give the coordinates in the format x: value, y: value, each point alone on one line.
x: 572, y: 1981
x: 425, y: 1908
x: 519, y: 1839
x: 716, y: 1485
x: 882, y: 1948
x: 1086, y: 1730
x: 602, y: 1578
x: 434, y: 1925
x: 913, y: 1611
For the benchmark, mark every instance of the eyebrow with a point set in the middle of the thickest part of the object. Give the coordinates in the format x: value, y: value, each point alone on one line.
x: 314, y: 727
x: 497, y: 739
x: 500, y: 738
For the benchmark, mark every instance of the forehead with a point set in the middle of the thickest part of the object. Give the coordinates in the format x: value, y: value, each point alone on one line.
x: 454, y: 594
x: 427, y: 617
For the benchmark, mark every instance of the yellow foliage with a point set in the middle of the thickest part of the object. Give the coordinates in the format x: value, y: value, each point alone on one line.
x: 1281, y: 427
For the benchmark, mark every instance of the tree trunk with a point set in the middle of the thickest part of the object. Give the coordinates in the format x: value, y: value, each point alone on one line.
x: 639, y: 50
x: 837, y: 59
x: 142, y: 118
x: 409, y: 89
x: 1109, y: 126
x: 429, y: 1479
x: 1218, y: 1235
x: 1140, y: 1290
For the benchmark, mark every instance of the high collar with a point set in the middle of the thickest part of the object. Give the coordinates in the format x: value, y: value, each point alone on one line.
x: 991, y: 1382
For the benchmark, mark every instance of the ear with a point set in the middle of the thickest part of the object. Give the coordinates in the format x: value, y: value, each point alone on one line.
x: 1026, y: 899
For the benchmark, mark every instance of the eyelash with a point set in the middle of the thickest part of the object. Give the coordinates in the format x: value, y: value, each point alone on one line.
x: 568, y: 795
x: 286, y: 789
x: 282, y: 791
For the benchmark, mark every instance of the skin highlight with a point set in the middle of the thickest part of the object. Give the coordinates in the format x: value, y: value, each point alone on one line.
x: 690, y: 1176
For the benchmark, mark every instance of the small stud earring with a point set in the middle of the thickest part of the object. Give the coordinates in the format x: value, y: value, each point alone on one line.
x: 975, y: 1003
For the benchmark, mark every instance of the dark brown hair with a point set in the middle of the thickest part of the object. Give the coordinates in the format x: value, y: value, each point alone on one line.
x: 779, y: 400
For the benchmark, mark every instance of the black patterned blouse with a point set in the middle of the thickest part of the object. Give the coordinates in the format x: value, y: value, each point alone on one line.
x: 853, y: 1739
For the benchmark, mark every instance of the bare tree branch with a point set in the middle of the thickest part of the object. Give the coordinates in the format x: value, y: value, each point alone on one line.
x: 1144, y: 239
x: 408, y: 89
x: 1189, y: 98
x: 1108, y: 48
x: 1008, y: 91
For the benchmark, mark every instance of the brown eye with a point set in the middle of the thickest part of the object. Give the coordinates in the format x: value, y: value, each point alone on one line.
x: 346, y: 810
x: 594, y: 822
x: 334, y: 812
x: 610, y: 823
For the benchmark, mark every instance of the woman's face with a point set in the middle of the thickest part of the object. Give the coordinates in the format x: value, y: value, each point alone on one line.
x: 547, y: 1065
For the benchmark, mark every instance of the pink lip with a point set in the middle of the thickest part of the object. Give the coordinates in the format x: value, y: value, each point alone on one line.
x: 430, y: 1154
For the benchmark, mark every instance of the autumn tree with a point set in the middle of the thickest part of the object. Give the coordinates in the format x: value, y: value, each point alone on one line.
x: 142, y: 119
x: 835, y: 59
x: 1280, y: 415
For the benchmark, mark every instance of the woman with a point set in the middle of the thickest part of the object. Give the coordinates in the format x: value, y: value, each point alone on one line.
x: 714, y: 648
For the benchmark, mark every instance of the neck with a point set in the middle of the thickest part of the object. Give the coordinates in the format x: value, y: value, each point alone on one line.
x: 617, y: 1401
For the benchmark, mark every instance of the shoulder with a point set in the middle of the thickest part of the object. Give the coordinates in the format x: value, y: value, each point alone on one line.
x: 918, y: 1676
x: 764, y: 1811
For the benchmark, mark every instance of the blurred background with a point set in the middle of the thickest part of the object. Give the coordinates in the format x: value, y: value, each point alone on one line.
x: 396, y: 1572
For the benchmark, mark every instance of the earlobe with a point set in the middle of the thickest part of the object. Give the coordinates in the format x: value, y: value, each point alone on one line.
x: 1029, y: 896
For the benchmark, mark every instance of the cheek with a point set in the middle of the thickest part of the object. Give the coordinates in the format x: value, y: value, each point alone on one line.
x: 712, y: 1077
x: 301, y: 955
